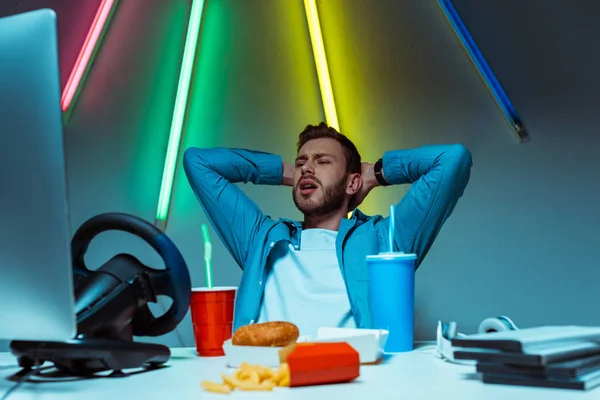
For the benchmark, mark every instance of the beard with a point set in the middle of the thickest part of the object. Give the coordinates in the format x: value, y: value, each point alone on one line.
x: 331, y: 200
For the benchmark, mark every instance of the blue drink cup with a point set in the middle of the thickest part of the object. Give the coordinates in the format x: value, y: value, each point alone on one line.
x: 392, y: 297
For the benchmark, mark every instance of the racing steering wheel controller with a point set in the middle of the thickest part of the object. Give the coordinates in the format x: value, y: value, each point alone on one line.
x: 111, y: 305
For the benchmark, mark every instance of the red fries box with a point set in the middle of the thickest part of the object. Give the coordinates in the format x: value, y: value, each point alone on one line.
x: 320, y: 363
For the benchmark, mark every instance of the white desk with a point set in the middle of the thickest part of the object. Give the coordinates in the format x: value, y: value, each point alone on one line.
x: 415, y: 375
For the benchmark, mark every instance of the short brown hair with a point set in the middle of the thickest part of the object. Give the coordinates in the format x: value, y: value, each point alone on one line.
x: 353, y: 163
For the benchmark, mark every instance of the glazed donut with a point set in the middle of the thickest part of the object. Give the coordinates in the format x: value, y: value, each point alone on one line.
x: 270, y: 334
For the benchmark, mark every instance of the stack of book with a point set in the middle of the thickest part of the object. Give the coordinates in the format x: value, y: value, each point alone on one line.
x: 566, y: 357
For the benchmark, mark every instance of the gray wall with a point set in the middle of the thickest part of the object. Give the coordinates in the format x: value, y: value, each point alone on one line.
x: 522, y: 240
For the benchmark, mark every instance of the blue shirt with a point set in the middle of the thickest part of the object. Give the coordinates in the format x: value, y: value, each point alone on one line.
x: 438, y: 174
x: 304, y: 280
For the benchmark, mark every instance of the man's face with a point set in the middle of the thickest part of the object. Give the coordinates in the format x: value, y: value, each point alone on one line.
x: 320, y: 178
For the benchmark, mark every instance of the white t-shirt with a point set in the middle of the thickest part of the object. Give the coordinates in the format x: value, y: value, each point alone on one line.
x: 306, y: 286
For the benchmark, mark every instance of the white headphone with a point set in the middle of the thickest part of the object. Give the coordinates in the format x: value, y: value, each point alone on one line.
x: 500, y: 323
x: 447, y: 331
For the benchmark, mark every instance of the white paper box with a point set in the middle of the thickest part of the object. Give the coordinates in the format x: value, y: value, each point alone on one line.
x: 369, y: 343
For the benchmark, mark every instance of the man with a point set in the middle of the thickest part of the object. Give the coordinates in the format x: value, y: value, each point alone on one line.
x: 313, y: 273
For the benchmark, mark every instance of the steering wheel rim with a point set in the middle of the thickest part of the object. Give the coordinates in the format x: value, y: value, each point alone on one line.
x: 173, y: 281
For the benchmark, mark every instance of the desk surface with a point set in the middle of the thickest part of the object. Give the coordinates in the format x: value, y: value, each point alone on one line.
x: 415, y: 375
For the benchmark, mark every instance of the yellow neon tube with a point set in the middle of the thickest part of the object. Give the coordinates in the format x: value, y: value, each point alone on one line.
x: 316, y: 38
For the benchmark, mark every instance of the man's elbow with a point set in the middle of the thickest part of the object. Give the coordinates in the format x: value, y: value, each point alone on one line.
x: 459, y: 162
x: 193, y: 159
x: 460, y: 156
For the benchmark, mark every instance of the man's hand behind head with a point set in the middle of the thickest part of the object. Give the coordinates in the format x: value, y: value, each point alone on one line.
x: 368, y: 183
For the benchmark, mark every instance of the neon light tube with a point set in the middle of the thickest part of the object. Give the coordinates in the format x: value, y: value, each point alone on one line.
x: 87, y: 52
x: 484, y: 70
x: 183, y: 88
x: 316, y: 37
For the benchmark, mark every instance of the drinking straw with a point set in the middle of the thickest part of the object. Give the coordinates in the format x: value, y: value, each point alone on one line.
x: 207, y: 256
x: 391, y: 233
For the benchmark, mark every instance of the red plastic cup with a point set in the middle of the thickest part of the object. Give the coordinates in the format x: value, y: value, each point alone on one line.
x: 212, y: 319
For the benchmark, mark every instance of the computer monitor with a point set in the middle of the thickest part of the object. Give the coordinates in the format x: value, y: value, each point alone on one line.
x: 36, y: 283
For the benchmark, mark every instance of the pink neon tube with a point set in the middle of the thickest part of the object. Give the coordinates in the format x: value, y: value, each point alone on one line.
x: 85, y: 53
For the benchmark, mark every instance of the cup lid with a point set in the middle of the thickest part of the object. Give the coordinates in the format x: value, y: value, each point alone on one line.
x: 392, y: 256
x: 214, y: 289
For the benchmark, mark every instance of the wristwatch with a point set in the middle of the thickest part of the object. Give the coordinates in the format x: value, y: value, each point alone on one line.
x: 378, y: 173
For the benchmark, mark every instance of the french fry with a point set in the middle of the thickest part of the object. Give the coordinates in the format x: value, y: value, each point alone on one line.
x: 241, y: 374
x: 283, y: 375
x: 266, y: 385
x: 216, y: 387
x: 247, y: 384
x: 229, y: 380
x: 254, y: 376
x: 267, y: 375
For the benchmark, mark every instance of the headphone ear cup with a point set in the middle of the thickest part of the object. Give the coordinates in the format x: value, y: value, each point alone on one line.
x: 497, y: 324
x: 511, y: 325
